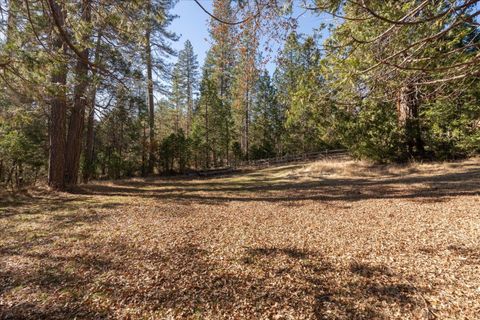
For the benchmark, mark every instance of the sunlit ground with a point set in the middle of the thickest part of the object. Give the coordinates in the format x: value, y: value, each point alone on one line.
x: 326, y: 240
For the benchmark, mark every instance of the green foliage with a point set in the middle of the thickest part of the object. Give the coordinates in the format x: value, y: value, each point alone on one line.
x: 389, y: 113
x: 167, y: 153
x: 453, y: 126
x: 183, y: 87
x: 175, y: 153
x: 374, y: 87
x: 371, y: 132
x: 212, y: 125
x: 119, y: 143
x: 22, y: 146
x: 237, y: 152
x: 267, y: 120
x: 303, y: 96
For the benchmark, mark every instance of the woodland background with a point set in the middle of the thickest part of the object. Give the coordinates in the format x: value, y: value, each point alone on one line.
x: 88, y: 92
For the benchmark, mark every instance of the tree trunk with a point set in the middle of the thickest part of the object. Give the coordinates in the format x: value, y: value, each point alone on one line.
x: 89, y: 154
x: 207, y: 153
x: 58, y: 109
x: 144, y: 147
x: 89, y: 169
x: 77, y: 118
x: 247, y: 121
x: 189, y: 104
x: 408, y: 102
x: 177, y: 117
x: 151, y: 109
x: 1, y: 171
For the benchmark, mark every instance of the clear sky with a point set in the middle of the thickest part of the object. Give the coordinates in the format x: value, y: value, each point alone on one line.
x: 192, y: 24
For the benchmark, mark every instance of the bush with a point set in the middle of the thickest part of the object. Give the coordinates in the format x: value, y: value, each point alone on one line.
x: 175, y: 153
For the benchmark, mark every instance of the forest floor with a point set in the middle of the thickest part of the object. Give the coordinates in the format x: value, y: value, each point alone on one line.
x: 324, y: 240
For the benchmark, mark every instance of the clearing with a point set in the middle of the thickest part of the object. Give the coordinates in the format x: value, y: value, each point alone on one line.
x: 324, y: 240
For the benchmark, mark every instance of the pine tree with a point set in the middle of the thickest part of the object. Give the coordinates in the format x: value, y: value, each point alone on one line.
x: 157, y: 20
x: 286, y: 73
x: 292, y: 64
x: 267, y: 120
x: 304, y: 117
x: 184, y: 86
x: 203, y: 126
x: 388, y: 69
x: 178, y: 98
x: 89, y: 163
x: 245, y: 78
x: 58, y: 107
x: 220, y: 69
x: 77, y: 115
x: 188, y: 73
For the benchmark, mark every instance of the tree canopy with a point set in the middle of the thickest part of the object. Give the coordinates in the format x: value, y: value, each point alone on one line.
x: 89, y: 89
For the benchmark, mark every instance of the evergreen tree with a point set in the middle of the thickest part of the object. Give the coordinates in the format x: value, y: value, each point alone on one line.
x: 286, y: 73
x: 220, y: 67
x: 211, y: 133
x: 299, y: 84
x: 395, y: 80
x: 178, y: 99
x: 267, y: 120
x: 303, y: 121
x: 383, y: 70
x: 157, y: 20
x: 187, y: 67
x: 184, y: 86
x: 246, y: 74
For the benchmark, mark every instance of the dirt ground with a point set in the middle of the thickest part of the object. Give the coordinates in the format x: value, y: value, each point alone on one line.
x: 325, y: 240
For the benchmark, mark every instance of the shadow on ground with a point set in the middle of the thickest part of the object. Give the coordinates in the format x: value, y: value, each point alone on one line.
x: 56, y: 264
x: 274, y: 281
x: 424, y: 188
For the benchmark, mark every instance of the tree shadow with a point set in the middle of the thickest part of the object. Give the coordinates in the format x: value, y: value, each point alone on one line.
x: 358, y: 290
x: 50, y: 205
x: 468, y: 255
x: 120, y: 278
x: 368, y: 270
x: 290, y: 252
x: 58, y: 287
x: 192, y: 282
x: 420, y: 188
x: 37, y: 233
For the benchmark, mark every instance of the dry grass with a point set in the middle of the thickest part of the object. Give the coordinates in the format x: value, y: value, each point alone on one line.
x: 324, y: 241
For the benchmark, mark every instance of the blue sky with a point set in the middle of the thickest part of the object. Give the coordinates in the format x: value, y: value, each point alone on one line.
x: 192, y: 24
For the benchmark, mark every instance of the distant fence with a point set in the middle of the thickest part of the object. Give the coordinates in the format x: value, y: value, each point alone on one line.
x: 262, y: 163
x: 327, y: 154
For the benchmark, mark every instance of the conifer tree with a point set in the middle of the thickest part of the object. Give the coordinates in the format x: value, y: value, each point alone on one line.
x: 267, y: 120
x: 219, y: 71
x: 246, y: 74
x: 188, y: 72
x: 157, y: 20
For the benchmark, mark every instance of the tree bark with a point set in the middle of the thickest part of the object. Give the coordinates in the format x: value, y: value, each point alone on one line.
x: 77, y: 118
x: 189, y: 102
x: 144, y: 147
x: 58, y: 109
x: 247, y: 122
x: 1, y: 171
x: 408, y: 102
x: 89, y: 152
x: 151, y: 108
x: 88, y: 172
x: 207, y: 153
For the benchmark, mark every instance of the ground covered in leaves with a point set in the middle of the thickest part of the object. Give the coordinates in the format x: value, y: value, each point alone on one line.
x: 325, y: 240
